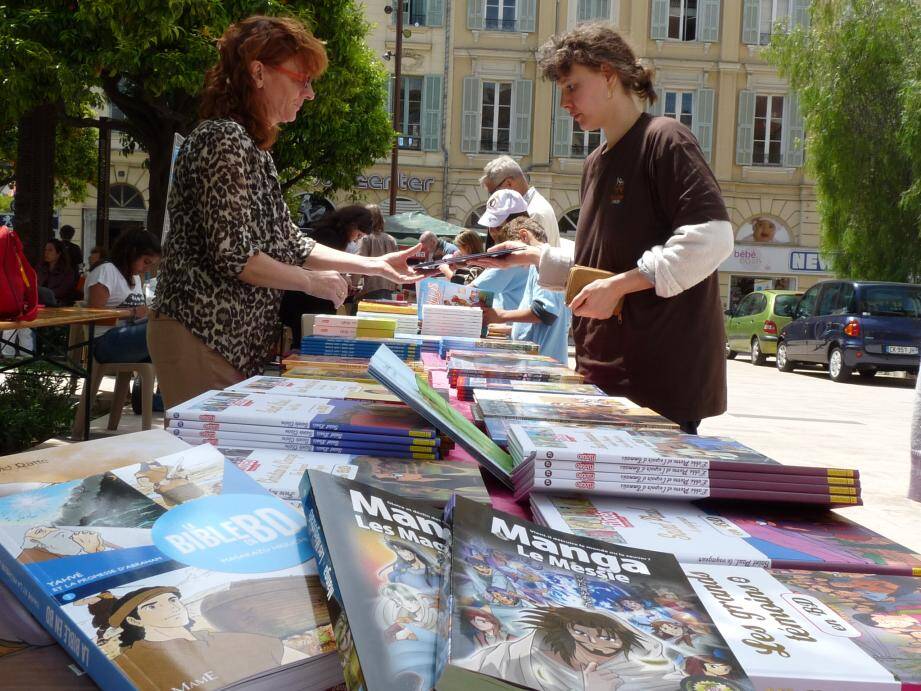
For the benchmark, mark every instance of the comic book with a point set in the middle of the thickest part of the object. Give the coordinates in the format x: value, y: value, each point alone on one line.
x: 466, y: 386
x: 490, y: 365
x: 432, y: 482
x: 709, y: 533
x: 41, y: 467
x: 380, y: 558
x: 297, y: 411
x: 180, y: 572
x: 414, y: 390
x: 440, y: 291
x: 314, y: 388
x: 602, y: 410
x: 215, y: 429
x: 429, y: 454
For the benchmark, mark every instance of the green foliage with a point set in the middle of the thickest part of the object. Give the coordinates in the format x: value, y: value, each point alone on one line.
x: 35, y: 405
x: 857, y: 72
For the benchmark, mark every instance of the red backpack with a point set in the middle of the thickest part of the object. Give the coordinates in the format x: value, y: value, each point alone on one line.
x: 18, y: 281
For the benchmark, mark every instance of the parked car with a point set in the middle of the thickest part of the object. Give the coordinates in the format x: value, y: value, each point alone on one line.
x: 862, y: 326
x: 753, y: 326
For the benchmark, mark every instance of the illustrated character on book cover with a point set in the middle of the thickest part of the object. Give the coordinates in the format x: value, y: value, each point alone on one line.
x: 403, y: 606
x: 42, y: 542
x: 412, y: 566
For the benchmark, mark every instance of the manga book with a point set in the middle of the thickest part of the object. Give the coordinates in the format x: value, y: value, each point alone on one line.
x: 535, y: 608
x: 440, y: 291
x: 314, y: 388
x: 708, y: 533
x: 180, y: 572
x: 602, y: 410
x: 381, y: 559
x: 431, y: 482
x: 467, y: 387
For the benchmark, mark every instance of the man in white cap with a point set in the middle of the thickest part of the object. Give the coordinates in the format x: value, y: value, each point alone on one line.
x: 506, y: 285
x: 505, y: 173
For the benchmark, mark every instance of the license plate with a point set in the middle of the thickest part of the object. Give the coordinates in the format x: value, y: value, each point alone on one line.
x: 902, y: 350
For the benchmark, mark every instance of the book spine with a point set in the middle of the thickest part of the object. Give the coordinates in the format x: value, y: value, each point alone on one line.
x: 229, y: 417
x: 47, y: 612
x: 843, y: 567
x: 293, y: 446
x: 334, y: 602
x: 336, y: 438
x: 632, y: 489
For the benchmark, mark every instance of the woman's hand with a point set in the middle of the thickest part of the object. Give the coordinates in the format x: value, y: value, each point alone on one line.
x: 526, y: 257
x: 394, y: 266
x: 328, y: 285
x: 598, y: 299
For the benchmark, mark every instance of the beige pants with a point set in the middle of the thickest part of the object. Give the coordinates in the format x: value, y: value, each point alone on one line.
x: 186, y: 367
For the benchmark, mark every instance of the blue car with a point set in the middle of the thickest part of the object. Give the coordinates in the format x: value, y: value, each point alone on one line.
x: 854, y: 326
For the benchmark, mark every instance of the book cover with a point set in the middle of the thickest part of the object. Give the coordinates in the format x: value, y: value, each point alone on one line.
x: 713, y: 534
x: 540, y: 609
x: 488, y: 365
x: 299, y: 411
x: 381, y: 559
x: 432, y: 482
x: 301, y: 446
x: 216, y: 428
x: 415, y: 391
x: 440, y: 291
x: 467, y: 386
x: 564, y: 408
x: 180, y: 572
x: 314, y: 388
x: 381, y: 441
x: 320, y: 373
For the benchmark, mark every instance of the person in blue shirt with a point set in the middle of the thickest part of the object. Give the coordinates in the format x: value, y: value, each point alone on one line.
x: 507, y: 285
x: 541, y: 315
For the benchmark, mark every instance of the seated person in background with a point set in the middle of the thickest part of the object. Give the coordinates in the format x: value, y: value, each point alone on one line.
x: 468, y: 242
x: 376, y: 244
x: 56, y: 274
x: 541, y: 316
x: 117, y: 283
x: 507, y: 285
x: 97, y: 255
x: 338, y: 229
x: 435, y: 247
x: 71, y: 249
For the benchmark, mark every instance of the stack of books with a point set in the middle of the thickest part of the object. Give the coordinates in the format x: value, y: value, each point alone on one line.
x: 358, y: 347
x: 299, y: 423
x: 353, y: 327
x: 446, y: 320
x: 316, y: 388
x: 440, y: 291
x: 453, y: 342
x: 467, y: 386
x: 502, y: 365
x: 334, y: 365
x: 646, y: 463
x: 404, y: 314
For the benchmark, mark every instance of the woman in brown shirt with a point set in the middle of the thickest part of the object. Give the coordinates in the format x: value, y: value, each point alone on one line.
x: 652, y: 214
x: 232, y: 246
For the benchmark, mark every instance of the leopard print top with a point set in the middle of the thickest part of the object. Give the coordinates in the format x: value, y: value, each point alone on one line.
x: 226, y: 204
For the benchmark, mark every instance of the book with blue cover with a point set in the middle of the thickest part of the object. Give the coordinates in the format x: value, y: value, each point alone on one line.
x: 176, y: 573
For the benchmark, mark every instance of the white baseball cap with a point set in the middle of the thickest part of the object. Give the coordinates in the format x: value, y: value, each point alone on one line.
x: 501, y: 205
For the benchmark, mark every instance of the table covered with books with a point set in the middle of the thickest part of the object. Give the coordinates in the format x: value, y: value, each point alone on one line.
x: 406, y: 511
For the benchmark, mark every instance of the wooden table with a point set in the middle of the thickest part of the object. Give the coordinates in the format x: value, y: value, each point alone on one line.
x: 64, y: 316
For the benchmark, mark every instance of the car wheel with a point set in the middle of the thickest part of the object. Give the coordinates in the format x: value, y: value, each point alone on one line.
x: 867, y: 373
x: 730, y: 353
x: 837, y: 370
x: 783, y: 364
x: 758, y: 357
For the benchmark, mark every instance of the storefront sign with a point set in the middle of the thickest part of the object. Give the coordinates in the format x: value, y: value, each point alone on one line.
x: 768, y: 259
x: 404, y: 182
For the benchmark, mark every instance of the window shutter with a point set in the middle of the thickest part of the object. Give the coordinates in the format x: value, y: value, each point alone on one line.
x: 659, y: 29
x: 703, y: 120
x: 658, y: 108
x: 710, y: 24
x: 434, y: 12
x: 745, y: 132
x: 603, y: 10
x: 475, y: 14
x: 390, y: 81
x: 562, y: 128
x: 584, y: 10
x: 431, y: 112
x: 795, y: 132
x: 527, y: 15
x: 472, y: 115
x: 521, y: 125
x: 750, y: 22
x: 801, y: 13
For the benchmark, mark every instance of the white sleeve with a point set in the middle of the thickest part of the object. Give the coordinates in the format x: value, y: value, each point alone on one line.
x: 554, y: 267
x: 692, y: 253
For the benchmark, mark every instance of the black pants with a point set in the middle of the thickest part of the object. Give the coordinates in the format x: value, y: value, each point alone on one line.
x: 689, y: 426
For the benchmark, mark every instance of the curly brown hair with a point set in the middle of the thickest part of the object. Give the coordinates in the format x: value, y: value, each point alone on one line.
x: 228, y: 91
x: 595, y: 45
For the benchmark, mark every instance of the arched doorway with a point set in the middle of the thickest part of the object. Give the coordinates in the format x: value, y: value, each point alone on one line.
x: 126, y: 210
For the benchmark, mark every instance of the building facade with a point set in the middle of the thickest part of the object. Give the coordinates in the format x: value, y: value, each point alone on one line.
x: 471, y: 92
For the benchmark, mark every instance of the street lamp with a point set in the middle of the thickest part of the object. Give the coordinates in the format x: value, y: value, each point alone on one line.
x: 397, y: 56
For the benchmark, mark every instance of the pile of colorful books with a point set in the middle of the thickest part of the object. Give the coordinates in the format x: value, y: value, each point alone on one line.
x: 301, y: 423
x: 453, y: 342
x: 343, y: 326
x: 440, y: 291
x: 467, y: 386
x: 445, y: 320
x: 508, y: 365
x: 358, y: 347
x: 606, y: 461
x: 404, y: 314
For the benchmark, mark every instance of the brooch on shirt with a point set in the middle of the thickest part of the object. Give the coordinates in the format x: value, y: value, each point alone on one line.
x: 617, y: 195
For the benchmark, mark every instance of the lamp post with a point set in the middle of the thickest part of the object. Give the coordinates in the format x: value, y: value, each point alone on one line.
x: 397, y: 110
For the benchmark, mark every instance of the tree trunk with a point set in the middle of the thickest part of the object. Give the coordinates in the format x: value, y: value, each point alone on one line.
x: 35, y: 179
x: 160, y: 153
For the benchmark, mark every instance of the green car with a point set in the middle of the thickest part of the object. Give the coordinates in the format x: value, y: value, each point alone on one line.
x: 752, y: 327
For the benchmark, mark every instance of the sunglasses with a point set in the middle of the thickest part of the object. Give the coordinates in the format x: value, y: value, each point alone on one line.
x: 301, y: 78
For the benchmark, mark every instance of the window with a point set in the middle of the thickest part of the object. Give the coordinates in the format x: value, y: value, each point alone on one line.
x: 411, y: 117
x: 829, y: 299
x: 769, y: 13
x: 500, y: 15
x: 807, y: 304
x: 584, y: 142
x: 680, y: 106
x: 568, y: 223
x: 496, y: 120
x: 682, y: 20
x: 768, y: 145
x: 588, y: 10
x: 414, y: 12
x: 123, y: 196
